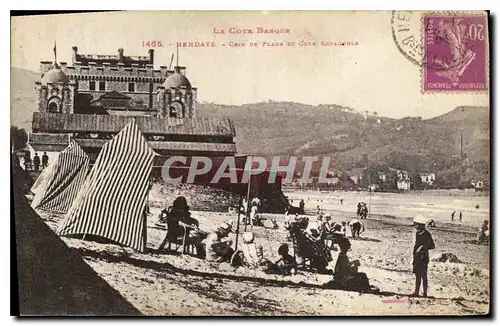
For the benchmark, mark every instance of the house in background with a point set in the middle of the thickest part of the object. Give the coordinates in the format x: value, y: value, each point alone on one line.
x: 477, y: 184
x: 428, y: 178
x: 382, y: 176
x: 356, y: 174
x: 404, y: 184
x: 403, y: 180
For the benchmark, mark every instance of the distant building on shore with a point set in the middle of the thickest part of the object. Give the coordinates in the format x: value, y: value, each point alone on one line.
x: 403, y: 180
x: 427, y: 178
x: 356, y: 175
x: 477, y: 184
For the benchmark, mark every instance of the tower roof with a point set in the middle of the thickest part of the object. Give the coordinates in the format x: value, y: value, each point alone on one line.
x: 177, y: 80
x: 54, y: 76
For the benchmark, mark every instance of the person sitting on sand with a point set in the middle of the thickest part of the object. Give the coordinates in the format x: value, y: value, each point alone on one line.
x: 217, y: 245
x: 175, y: 215
x: 253, y: 254
x: 315, y: 249
x: 286, y: 265
x: 423, y: 243
x: 356, y: 228
x: 326, y: 226
x: 346, y: 275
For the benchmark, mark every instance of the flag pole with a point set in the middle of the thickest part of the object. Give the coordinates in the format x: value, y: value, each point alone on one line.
x: 55, y: 52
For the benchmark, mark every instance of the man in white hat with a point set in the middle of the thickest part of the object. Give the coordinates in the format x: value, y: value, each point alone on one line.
x: 217, y: 245
x: 423, y: 243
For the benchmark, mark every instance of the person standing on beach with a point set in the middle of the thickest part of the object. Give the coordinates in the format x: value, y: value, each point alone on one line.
x: 423, y: 243
x: 453, y: 215
x: 45, y: 160
x: 36, y: 161
x: 301, y: 206
x: 460, y: 216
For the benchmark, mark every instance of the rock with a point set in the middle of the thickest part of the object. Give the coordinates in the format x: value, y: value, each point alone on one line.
x: 446, y: 257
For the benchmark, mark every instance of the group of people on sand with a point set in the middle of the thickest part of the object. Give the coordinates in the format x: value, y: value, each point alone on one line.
x: 459, y: 216
x: 254, y: 216
x: 309, y: 241
x: 36, y: 162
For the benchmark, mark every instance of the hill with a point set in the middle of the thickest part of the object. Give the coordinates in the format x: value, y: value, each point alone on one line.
x: 350, y: 137
x: 22, y: 97
x: 352, y: 140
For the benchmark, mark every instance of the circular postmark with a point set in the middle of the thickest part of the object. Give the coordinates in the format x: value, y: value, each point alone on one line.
x: 406, y: 29
x: 442, y: 41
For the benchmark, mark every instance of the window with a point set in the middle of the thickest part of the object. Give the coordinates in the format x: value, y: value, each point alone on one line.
x: 53, y: 107
x: 131, y: 87
x: 92, y: 85
x: 102, y: 86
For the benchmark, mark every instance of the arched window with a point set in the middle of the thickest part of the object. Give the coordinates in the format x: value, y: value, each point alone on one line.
x: 54, y: 105
x: 176, y: 110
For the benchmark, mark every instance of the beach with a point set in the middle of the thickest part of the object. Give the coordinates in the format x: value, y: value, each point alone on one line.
x: 161, y: 283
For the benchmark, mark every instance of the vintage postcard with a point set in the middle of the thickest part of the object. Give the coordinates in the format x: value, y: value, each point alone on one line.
x: 267, y: 163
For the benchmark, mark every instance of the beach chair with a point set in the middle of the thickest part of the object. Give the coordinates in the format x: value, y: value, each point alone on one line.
x: 311, y: 254
x: 178, y: 239
x: 303, y: 251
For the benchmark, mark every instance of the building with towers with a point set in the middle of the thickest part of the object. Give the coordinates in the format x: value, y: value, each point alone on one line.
x: 91, y: 99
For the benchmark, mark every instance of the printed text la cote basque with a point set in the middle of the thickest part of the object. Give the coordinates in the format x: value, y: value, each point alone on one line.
x: 255, y: 30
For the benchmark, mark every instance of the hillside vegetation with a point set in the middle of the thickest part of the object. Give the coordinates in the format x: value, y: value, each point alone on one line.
x: 351, y: 138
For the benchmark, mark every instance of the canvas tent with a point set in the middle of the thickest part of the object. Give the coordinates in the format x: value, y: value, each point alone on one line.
x: 42, y: 178
x: 57, y: 186
x: 112, y: 200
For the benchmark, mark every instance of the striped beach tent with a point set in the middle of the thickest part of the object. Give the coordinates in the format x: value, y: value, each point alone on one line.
x: 58, y: 184
x: 112, y: 200
x: 42, y: 178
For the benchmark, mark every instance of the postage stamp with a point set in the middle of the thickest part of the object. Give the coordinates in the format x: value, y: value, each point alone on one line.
x: 456, y: 53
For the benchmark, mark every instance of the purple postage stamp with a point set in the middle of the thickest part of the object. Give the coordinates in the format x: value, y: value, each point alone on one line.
x: 456, y: 49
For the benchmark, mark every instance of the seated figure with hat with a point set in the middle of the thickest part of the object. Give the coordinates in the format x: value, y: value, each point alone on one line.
x: 218, y: 245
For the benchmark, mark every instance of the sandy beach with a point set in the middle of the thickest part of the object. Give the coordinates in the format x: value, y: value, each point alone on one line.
x: 160, y: 283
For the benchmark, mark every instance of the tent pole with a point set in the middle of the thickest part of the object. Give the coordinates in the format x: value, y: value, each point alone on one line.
x: 83, y: 238
x: 247, y: 210
x: 145, y: 228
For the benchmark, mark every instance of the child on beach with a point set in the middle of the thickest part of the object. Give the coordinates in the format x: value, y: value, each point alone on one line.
x: 286, y: 265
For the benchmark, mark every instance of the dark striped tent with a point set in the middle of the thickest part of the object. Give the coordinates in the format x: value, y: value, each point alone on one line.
x: 57, y: 186
x: 112, y: 200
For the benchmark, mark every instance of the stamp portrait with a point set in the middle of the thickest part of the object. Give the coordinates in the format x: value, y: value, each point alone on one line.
x: 456, y: 53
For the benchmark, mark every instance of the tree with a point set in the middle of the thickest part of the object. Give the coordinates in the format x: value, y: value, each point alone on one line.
x: 19, y: 137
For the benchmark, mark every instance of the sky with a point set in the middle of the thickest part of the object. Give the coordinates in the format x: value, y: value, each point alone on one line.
x: 370, y: 75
